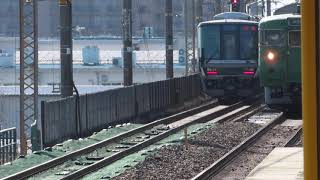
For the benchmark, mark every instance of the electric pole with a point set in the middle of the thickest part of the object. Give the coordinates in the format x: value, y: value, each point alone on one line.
x: 217, y: 6
x: 263, y: 7
x: 169, y: 39
x: 190, y: 30
x: 268, y: 7
x: 199, y: 12
x: 66, y: 47
x: 193, y: 61
x: 28, y: 70
x: 127, y: 42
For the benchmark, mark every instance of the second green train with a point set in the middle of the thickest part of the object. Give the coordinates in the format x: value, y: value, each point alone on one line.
x: 280, y: 58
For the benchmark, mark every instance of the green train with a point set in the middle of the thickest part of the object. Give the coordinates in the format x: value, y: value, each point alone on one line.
x: 280, y: 59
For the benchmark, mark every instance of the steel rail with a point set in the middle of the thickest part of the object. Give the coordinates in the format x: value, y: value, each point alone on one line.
x: 249, y: 114
x: 217, y: 166
x: 108, y: 160
x: 294, y: 138
x: 60, y: 160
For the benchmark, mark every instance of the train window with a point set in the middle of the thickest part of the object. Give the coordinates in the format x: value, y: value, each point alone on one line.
x: 230, y: 39
x: 294, y: 38
x: 230, y: 49
x: 273, y: 38
x: 294, y: 22
x: 210, y: 42
x: 248, y: 43
x: 230, y: 28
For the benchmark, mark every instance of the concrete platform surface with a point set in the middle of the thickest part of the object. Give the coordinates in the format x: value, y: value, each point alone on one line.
x: 294, y: 123
x: 280, y: 164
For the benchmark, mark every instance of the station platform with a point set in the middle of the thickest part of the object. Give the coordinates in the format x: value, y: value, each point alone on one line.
x: 280, y: 164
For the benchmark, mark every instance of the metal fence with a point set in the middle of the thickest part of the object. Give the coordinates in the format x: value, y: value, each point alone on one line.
x: 8, y: 145
x: 75, y: 117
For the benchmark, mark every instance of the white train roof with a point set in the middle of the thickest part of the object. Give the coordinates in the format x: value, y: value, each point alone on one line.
x: 228, y: 21
x: 232, y: 15
x: 279, y: 17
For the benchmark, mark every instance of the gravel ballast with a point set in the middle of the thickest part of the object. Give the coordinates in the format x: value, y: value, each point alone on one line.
x: 177, y: 162
x: 249, y: 159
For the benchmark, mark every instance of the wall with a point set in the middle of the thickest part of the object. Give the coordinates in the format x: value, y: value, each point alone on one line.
x: 74, y: 117
x: 10, y: 108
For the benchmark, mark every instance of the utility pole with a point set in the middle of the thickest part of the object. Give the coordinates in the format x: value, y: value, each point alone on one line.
x: 66, y: 47
x: 193, y: 61
x: 268, y: 7
x: 127, y: 42
x: 263, y: 7
x: 217, y: 6
x: 169, y: 39
x: 28, y: 70
x: 199, y: 11
x: 189, y: 36
x: 186, y: 36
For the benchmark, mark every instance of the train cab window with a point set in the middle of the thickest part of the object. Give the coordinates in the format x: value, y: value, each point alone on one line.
x: 294, y: 38
x: 229, y: 37
x: 230, y: 48
x: 210, y: 41
x: 273, y: 38
x: 248, y: 42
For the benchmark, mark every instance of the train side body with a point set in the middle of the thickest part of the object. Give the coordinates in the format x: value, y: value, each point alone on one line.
x: 280, y: 58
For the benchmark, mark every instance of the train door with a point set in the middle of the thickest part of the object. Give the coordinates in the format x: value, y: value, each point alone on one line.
x: 294, y: 57
x: 230, y: 49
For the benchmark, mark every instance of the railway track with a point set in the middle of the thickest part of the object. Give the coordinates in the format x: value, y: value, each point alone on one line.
x: 179, y: 161
x: 215, y: 170
x: 294, y: 139
x: 95, y: 162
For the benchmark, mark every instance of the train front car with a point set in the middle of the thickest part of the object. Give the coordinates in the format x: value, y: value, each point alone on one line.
x: 280, y: 59
x: 228, y: 55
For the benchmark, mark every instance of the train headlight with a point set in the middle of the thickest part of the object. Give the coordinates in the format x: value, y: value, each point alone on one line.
x: 271, y: 56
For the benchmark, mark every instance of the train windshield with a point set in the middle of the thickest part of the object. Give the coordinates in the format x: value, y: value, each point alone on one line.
x: 248, y: 42
x: 230, y: 48
x: 228, y: 42
x: 273, y: 38
x: 294, y: 38
x: 210, y: 42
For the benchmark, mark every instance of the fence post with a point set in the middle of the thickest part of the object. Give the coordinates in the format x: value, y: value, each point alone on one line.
x: 1, y: 148
x: 35, y: 137
x: 14, y: 144
x: 42, y: 122
x: 8, y: 145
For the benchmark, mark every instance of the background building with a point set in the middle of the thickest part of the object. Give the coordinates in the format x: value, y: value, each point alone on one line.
x: 99, y: 17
